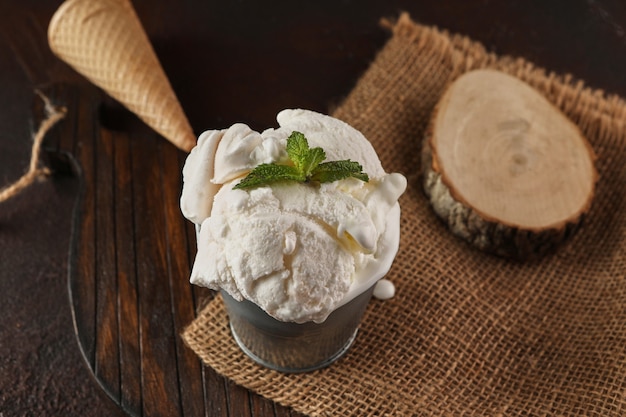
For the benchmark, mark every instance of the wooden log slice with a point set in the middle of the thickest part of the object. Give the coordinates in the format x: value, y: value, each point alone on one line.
x: 504, y: 168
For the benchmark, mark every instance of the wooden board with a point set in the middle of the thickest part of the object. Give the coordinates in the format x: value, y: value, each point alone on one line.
x: 129, y: 269
x: 507, y: 170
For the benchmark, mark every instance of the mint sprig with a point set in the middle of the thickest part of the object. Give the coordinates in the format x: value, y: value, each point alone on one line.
x: 308, y: 166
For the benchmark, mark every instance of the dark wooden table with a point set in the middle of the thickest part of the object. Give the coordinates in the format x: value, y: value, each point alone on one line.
x: 63, y: 241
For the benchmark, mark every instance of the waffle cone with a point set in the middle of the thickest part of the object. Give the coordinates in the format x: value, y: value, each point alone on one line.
x: 105, y: 42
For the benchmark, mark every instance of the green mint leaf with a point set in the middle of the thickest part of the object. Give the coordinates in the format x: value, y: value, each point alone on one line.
x: 338, y: 170
x: 297, y: 149
x: 313, y: 159
x: 265, y: 174
x: 303, y: 157
x: 307, y: 167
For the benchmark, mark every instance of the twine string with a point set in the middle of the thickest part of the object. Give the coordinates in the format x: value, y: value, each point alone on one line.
x: 53, y: 115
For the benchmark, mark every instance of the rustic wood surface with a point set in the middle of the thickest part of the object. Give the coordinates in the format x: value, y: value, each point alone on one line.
x: 514, y: 147
x: 94, y: 261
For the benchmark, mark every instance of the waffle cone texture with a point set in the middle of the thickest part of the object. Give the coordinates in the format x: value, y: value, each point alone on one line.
x: 104, y: 41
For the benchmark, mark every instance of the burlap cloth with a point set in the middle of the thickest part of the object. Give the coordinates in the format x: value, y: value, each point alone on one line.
x: 467, y: 333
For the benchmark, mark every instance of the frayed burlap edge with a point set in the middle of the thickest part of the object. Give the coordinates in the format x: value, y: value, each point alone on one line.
x: 467, y: 333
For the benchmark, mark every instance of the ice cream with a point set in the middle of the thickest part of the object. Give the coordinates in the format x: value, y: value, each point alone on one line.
x: 297, y: 250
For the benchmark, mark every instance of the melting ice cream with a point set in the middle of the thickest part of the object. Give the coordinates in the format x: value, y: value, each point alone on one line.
x: 297, y: 250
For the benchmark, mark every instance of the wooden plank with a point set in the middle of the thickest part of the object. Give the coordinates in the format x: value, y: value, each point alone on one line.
x: 261, y: 406
x: 128, y: 308
x: 238, y: 400
x: 67, y: 95
x: 215, y: 394
x: 82, y: 284
x: 107, y: 364
x: 160, y: 393
x: 281, y: 411
x: 189, y: 365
